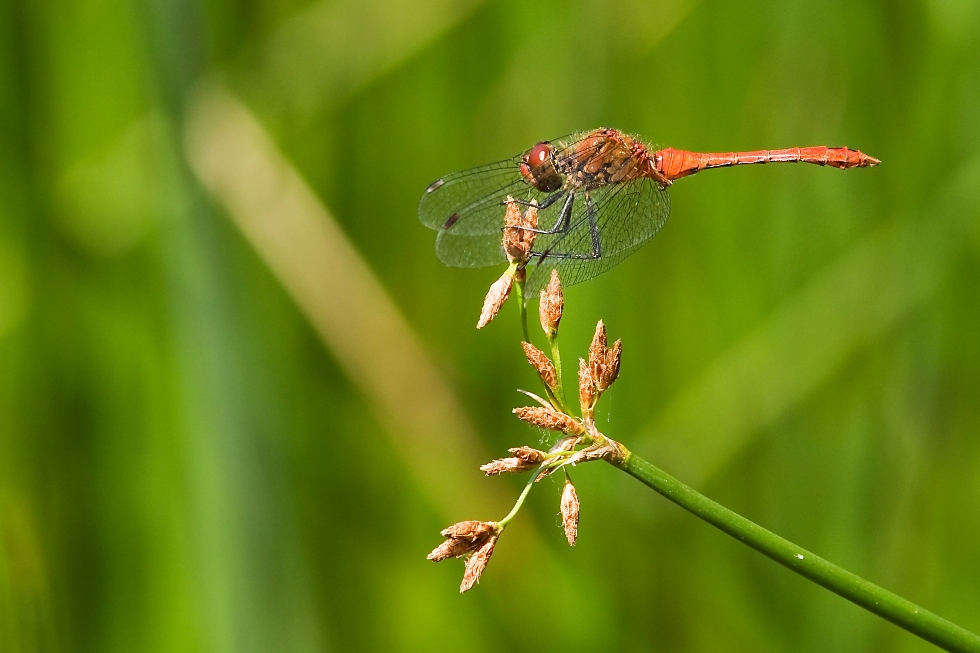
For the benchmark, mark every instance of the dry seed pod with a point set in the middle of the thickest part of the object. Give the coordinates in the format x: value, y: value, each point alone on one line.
x: 540, y: 362
x: 551, y: 306
x: 597, y: 352
x: 518, y: 237
x: 507, y: 466
x: 528, y: 454
x: 470, y: 529
x: 451, y: 548
x: 495, y: 298
x: 462, y: 538
x: 477, y: 562
x: 611, y: 369
x: 548, y: 418
x: 586, y: 388
x: 569, y: 512
x: 512, y: 219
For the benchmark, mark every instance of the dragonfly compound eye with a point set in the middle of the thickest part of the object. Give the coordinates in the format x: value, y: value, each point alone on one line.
x: 539, y: 153
x: 539, y: 169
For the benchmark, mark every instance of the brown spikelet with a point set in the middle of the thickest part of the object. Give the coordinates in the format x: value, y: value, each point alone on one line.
x: 518, y: 237
x: 469, y: 529
x: 586, y: 388
x: 551, y: 305
x: 451, y: 548
x: 512, y: 213
x: 611, y: 370
x: 603, y: 360
x: 507, y: 466
x: 529, y: 455
x: 530, y: 222
x: 512, y: 234
x: 597, y: 352
x: 495, y: 298
x: 540, y: 362
x: 531, y: 215
x: 462, y: 538
x: 477, y: 562
x: 569, y: 512
x: 548, y: 418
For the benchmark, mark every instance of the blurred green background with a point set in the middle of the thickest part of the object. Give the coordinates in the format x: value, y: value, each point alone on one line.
x: 239, y: 395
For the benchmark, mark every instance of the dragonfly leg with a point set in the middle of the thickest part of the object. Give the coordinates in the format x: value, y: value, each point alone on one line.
x: 545, y: 203
x: 564, y: 218
x: 593, y: 227
x: 593, y: 232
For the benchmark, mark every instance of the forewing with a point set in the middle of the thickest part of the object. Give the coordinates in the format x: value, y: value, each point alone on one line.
x: 463, y: 201
x: 627, y: 216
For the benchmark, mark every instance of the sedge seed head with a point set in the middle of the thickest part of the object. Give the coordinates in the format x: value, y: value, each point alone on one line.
x: 507, y: 466
x: 570, y: 512
x: 462, y: 538
x: 597, y: 352
x: 611, y: 369
x: 529, y: 455
x: 586, y: 388
x: 495, y: 298
x: 542, y: 364
x: 518, y: 237
x: 548, y: 418
x: 477, y: 562
x: 551, y: 305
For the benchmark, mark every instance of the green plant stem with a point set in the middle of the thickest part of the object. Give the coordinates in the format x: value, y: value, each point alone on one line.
x: 519, y: 291
x: 556, y: 360
x: 556, y: 398
x: 520, y: 501
x: 869, y: 596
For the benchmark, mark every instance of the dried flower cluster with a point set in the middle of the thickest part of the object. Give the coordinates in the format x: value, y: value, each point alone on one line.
x: 581, y: 441
x: 519, y: 231
x: 518, y: 238
x: 496, y: 296
x: 551, y: 306
x: 474, y: 539
x: 569, y: 512
x: 599, y: 372
x: 540, y: 362
x: 549, y: 418
x: 524, y: 459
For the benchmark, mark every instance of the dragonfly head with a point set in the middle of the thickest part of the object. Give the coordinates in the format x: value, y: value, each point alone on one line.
x: 538, y: 167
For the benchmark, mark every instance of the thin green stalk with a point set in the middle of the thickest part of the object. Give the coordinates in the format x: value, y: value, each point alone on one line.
x: 519, y: 291
x: 556, y: 360
x: 520, y: 501
x: 558, y: 399
x: 869, y: 596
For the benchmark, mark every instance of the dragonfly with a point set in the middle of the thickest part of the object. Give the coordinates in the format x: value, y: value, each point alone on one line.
x: 599, y: 194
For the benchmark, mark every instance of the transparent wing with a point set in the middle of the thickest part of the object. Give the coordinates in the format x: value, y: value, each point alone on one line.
x: 470, y: 251
x: 626, y: 216
x: 464, y: 201
x: 467, y: 208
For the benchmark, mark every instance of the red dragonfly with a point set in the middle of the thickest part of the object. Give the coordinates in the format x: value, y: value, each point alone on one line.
x: 600, y: 195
